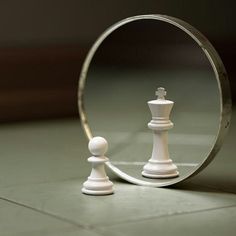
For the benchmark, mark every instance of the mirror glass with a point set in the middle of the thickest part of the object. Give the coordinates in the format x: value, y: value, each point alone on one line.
x: 128, y: 67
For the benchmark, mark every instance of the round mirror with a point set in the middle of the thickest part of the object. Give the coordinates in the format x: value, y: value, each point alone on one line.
x: 121, y: 74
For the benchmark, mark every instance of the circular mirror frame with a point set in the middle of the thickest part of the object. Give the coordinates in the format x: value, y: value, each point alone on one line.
x: 220, y: 75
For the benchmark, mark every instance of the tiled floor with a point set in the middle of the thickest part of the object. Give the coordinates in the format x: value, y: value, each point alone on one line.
x: 43, y: 165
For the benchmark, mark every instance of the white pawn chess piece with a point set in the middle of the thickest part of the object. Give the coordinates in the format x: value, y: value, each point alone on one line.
x: 160, y: 165
x: 98, y: 182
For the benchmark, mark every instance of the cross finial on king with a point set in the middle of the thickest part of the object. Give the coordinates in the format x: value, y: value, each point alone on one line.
x: 161, y: 93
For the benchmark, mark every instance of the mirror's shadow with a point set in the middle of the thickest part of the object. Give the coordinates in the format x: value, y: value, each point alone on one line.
x: 124, y: 74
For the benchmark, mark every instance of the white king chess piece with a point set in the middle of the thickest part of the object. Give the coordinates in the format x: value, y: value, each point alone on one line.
x: 98, y: 182
x: 160, y: 165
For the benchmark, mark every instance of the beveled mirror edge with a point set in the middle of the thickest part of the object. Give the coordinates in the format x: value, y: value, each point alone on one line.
x: 220, y: 75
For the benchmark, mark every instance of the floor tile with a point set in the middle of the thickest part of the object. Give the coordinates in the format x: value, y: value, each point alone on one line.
x: 129, y: 202
x: 17, y: 220
x: 42, y: 151
x: 43, y: 166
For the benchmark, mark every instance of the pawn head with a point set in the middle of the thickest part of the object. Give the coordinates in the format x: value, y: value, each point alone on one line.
x: 98, y: 146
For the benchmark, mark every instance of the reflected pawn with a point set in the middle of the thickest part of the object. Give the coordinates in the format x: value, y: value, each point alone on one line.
x: 98, y: 182
x: 160, y: 165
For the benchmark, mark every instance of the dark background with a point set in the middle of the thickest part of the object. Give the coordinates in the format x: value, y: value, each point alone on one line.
x: 43, y: 45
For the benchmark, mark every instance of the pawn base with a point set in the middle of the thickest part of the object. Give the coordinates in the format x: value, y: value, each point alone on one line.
x: 160, y: 170
x: 98, y: 186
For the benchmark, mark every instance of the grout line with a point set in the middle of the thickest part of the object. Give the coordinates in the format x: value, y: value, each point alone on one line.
x: 165, y: 215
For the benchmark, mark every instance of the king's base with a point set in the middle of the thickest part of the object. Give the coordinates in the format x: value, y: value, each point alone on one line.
x: 98, y: 186
x: 160, y: 170
x: 161, y: 176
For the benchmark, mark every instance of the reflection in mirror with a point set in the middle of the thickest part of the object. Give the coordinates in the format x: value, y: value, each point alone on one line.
x: 123, y: 76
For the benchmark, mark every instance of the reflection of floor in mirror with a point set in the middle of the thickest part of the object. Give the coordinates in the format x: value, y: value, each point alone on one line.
x: 137, y: 146
x: 43, y: 166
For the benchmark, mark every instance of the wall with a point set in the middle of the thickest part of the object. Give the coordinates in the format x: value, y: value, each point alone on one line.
x: 43, y: 45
